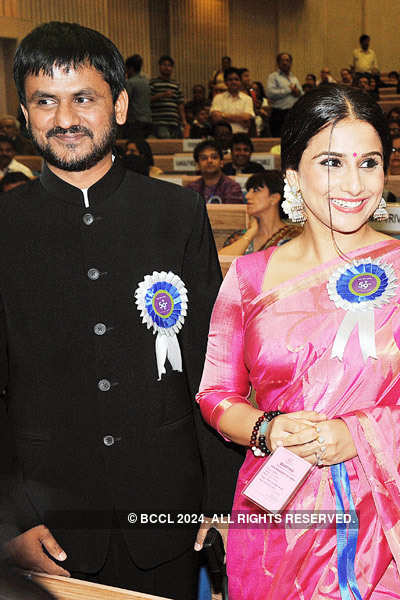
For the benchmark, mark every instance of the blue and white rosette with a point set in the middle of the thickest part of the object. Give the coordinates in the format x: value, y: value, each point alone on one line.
x: 360, y: 288
x: 162, y: 301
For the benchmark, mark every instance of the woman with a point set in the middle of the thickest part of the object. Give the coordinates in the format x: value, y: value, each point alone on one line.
x: 261, y: 109
x: 266, y: 228
x: 287, y: 323
x: 142, y: 148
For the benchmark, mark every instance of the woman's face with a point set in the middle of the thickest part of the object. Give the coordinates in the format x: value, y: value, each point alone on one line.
x: 395, y: 157
x: 260, y: 200
x: 354, y: 157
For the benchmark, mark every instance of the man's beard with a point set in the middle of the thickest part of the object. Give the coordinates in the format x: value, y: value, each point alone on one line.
x: 83, y: 163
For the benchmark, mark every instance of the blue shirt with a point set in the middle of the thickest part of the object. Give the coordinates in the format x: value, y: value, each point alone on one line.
x: 279, y: 92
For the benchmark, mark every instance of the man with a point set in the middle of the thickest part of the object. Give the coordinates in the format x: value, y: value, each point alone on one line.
x: 167, y: 106
x: 241, y: 150
x: 233, y: 106
x: 138, y: 121
x: 213, y: 185
x: 101, y: 411
x: 346, y: 77
x: 283, y: 89
x: 363, y: 82
x: 10, y: 127
x: 325, y: 77
x: 8, y: 164
x: 364, y: 59
x: 222, y: 133
x: 197, y: 102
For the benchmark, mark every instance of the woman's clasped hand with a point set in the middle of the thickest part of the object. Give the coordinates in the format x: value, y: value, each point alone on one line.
x: 312, y: 436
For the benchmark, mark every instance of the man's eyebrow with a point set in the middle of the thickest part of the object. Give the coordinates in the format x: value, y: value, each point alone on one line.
x: 340, y: 155
x: 82, y: 92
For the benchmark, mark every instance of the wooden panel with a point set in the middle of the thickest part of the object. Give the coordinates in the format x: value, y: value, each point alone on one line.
x: 64, y: 588
x: 198, y: 39
x: 225, y: 219
x: 166, y: 162
x: 253, y: 39
x: 33, y: 162
x: 129, y: 28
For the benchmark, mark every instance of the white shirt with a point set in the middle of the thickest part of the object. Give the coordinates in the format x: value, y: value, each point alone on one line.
x: 234, y: 105
x: 16, y: 167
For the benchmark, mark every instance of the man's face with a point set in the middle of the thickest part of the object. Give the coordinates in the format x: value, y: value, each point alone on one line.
x: 71, y: 117
x: 395, y: 157
x: 7, y: 153
x: 223, y: 135
x: 202, y: 116
x: 198, y: 93
x: 233, y: 83
x: 8, y: 127
x: 325, y: 75
x: 284, y: 63
x: 246, y: 80
x: 365, y: 44
x: 346, y: 76
x: 209, y: 162
x: 240, y: 155
x: 166, y: 69
x: 363, y: 84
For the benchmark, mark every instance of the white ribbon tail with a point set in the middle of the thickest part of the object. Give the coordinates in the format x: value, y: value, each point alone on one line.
x: 366, y: 334
x: 167, y: 346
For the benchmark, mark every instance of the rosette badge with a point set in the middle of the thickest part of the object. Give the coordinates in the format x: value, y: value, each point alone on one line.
x: 359, y: 289
x: 162, y: 301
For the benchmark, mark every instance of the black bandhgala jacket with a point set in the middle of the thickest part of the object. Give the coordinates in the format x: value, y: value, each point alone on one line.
x: 56, y: 414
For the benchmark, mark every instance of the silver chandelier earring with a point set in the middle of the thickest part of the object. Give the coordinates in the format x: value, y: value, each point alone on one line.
x: 381, y: 214
x: 293, y: 204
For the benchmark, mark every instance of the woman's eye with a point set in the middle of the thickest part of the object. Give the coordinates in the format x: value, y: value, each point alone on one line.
x: 369, y: 163
x: 331, y: 162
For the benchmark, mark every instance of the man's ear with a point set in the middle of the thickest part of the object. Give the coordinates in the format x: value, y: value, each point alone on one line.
x: 121, y: 107
x: 25, y: 113
x: 292, y: 178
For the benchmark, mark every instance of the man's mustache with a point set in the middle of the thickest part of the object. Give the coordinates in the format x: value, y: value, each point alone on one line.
x: 72, y: 129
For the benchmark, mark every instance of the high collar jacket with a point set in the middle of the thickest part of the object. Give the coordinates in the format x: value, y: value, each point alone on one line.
x: 94, y: 429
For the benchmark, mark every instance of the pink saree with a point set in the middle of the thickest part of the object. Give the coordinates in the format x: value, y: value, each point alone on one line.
x: 280, y: 342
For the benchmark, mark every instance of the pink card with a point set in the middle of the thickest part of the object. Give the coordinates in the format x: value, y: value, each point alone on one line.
x: 277, y: 481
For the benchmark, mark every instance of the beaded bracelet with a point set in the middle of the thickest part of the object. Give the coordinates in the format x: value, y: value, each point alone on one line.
x: 262, y: 422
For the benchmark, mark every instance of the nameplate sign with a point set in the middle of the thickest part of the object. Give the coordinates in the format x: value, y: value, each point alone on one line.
x: 266, y: 160
x: 184, y: 163
x: 190, y: 145
x: 170, y: 179
x: 392, y: 225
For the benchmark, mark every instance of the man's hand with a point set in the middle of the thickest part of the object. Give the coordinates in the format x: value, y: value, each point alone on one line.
x: 26, y: 550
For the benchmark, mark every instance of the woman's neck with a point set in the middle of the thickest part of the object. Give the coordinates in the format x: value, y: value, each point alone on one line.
x: 268, y: 224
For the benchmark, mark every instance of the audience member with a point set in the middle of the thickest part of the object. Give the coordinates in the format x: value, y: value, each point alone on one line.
x: 326, y: 77
x: 200, y: 128
x: 394, y: 127
x: 310, y: 80
x: 138, y: 123
x: 10, y: 126
x: 213, y: 185
x: 241, y: 150
x: 394, y: 80
x: 218, y: 75
x: 373, y: 88
x: 222, y: 133
x: 261, y: 109
x: 245, y: 80
x: 364, y: 59
x: 198, y: 101
x: 394, y: 165
x: 8, y: 164
x: 346, y: 76
x: 141, y: 148
x: 307, y: 87
x: 362, y: 82
x: 394, y: 114
x: 283, y: 89
x: 266, y: 228
x: 13, y: 180
x: 167, y: 103
x: 233, y: 106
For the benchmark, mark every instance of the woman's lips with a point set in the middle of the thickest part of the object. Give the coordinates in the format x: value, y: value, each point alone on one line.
x: 348, y: 206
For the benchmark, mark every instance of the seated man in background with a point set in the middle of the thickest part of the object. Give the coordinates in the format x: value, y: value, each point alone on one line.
x: 222, y: 133
x: 200, y: 127
x: 233, y: 106
x: 241, y: 150
x: 8, y: 164
x: 197, y: 102
x: 346, y: 76
x: 10, y: 126
x: 213, y: 185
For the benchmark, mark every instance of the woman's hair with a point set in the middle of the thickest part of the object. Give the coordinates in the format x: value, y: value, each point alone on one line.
x: 261, y: 90
x: 272, y: 180
x: 144, y: 150
x: 324, y: 106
